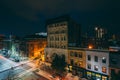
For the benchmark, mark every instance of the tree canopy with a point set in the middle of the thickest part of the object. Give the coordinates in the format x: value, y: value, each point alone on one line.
x: 58, y: 63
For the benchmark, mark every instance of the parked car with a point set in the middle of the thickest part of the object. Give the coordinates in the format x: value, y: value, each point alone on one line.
x: 17, y: 60
x: 12, y: 59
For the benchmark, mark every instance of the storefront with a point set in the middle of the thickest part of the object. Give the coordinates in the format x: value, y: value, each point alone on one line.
x: 78, y: 71
x: 96, y: 76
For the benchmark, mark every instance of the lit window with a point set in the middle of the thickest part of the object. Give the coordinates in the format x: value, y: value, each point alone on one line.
x: 96, y: 67
x: 89, y: 74
x: 98, y: 77
x: 104, y: 60
x: 104, y: 69
x: 104, y: 78
x: 80, y: 63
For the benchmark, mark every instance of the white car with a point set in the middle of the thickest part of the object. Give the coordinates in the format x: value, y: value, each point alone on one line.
x: 12, y: 59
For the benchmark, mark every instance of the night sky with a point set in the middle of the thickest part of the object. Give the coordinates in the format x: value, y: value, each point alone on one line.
x: 22, y: 17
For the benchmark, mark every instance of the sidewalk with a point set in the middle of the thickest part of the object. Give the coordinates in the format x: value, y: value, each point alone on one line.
x: 49, y: 76
x: 40, y: 72
x: 23, y: 62
x: 35, y: 70
x: 28, y: 63
x: 44, y: 74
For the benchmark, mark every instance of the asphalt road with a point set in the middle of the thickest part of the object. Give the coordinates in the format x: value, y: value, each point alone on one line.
x: 13, y: 72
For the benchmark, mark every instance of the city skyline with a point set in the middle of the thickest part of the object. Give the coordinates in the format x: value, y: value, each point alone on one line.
x: 28, y: 17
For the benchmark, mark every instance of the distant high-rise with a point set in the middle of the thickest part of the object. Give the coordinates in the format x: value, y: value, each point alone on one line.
x: 101, y: 38
x: 98, y: 39
x: 100, y: 32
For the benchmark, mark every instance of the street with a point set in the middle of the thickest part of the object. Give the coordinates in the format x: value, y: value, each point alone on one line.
x: 16, y: 71
x: 9, y: 69
x: 6, y: 63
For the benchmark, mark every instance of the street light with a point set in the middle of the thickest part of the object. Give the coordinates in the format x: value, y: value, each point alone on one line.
x: 90, y: 46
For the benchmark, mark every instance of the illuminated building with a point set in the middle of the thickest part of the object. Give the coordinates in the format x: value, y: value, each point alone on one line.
x: 63, y: 32
x: 100, y: 38
x: 89, y: 63
x: 97, y: 64
x: 77, y: 59
x: 35, y: 45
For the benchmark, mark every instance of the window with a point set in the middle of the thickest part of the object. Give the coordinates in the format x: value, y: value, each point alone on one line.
x: 71, y: 54
x: 61, y: 24
x: 55, y: 38
x: 114, y: 61
x: 75, y: 64
x: 89, y: 66
x: 96, y: 68
x: 104, y: 60
x: 88, y: 74
x: 113, y: 71
x: 89, y: 57
x: 104, y: 70
x: 57, y: 24
x: 80, y: 55
x: 80, y: 64
x: 71, y: 61
x: 76, y: 54
x: 104, y: 78
x: 55, y: 45
x: 64, y: 38
x: 61, y: 38
x: 96, y: 58
x: 63, y: 46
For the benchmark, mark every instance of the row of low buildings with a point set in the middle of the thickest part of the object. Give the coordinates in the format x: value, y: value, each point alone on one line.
x: 28, y: 47
x: 64, y: 37
x: 90, y: 63
x: 95, y: 63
